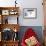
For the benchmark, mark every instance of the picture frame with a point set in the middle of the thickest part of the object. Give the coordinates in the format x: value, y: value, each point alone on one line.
x: 5, y: 12
x: 13, y: 12
x: 30, y: 13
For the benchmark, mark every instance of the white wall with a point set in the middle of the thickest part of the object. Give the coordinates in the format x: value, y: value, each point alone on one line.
x: 32, y: 4
x: 27, y: 4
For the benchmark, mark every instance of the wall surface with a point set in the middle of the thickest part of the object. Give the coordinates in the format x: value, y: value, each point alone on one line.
x: 45, y: 22
x: 44, y: 12
x: 27, y: 4
x: 32, y: 4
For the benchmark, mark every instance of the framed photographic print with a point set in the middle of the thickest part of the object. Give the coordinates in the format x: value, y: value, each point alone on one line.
x: 13, y: 12
x: 30, y: 12
x: 5, y: 12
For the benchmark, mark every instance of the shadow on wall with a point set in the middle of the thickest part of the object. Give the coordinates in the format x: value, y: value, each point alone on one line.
x: 37, y: 29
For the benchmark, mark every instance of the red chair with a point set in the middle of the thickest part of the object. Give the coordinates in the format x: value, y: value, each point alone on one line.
x: 29, y: 33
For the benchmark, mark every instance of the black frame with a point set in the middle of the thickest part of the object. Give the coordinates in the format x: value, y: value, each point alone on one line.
x: 30, y: 9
